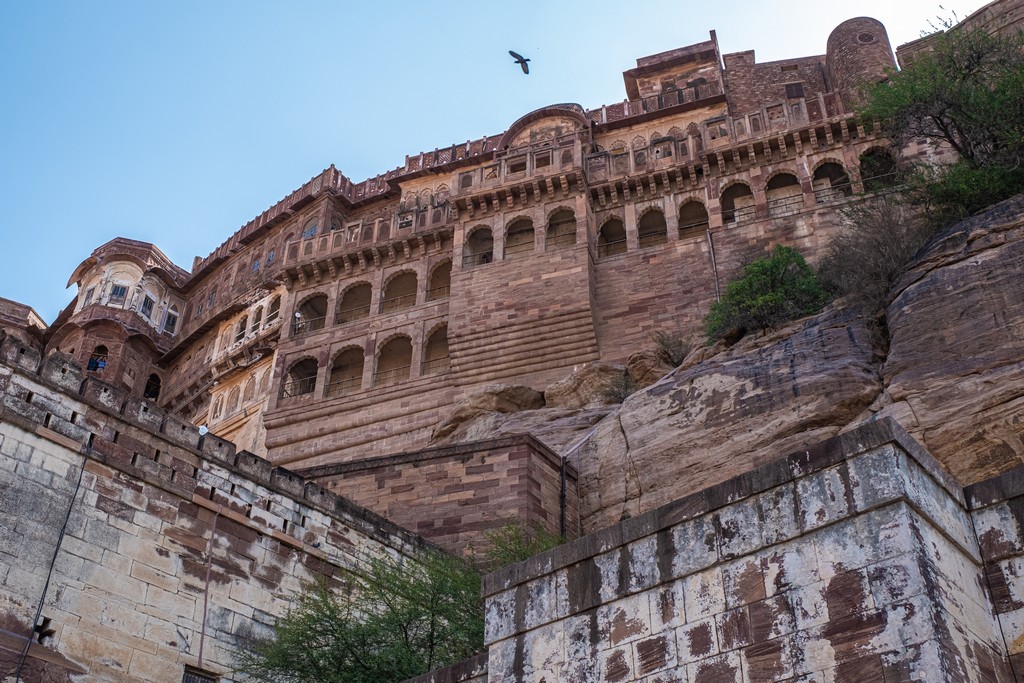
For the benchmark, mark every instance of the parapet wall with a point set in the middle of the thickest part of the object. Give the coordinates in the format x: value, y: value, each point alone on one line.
x: 854, y: 561
x: 146, y: 547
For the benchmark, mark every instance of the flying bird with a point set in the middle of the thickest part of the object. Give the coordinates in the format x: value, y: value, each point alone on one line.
x: 521, y: 61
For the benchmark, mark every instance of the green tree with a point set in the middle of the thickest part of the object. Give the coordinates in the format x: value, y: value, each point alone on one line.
x: 398, y: 621
x: 967, y: 92
x: 770, y: 290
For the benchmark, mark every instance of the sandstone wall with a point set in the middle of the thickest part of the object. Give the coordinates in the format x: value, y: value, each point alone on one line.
x: 855, y: 560
x: 149, y: 548
x: 454, y: 495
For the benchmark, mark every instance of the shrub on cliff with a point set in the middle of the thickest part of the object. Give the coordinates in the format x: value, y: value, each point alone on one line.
x: 968, y: 93
x: 880, y: 237
x: 770, y: 290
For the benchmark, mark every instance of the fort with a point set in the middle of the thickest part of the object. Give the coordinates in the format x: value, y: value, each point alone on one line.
x: 324, y: 341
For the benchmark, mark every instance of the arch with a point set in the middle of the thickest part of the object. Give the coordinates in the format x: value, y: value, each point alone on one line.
x: 257, y: 319
x: 249, y: 393
x: 265, y: 381
x: 830, y: 181
x: 393, y: 361
x: 300, y: 378
x: 676, y: 132
x: 618, y: 147
x: 878, y: 169
x: 234, y: 400
x: 479, y: 247
x: 783, y: 194
x: 354, y: 303
x: 519, y: 239
x: 241, y: 328
x: 435, y: 352
x: 274, y: 311
x: 98, y: 359
x: 309, y: 232
x: 611, y: 238
x: 152, y: 388
x: 442, y: 194
x: 652, y: 229
x: 693, y: 218
x: 439, y: 284
x: 639, y: 142
x: 346, y: 373
x: 737, y: 203
x: 218, y: 407
x: 570, y: 111
x: 311, y: 314
x: 399, y: 292
x: 561, y: 229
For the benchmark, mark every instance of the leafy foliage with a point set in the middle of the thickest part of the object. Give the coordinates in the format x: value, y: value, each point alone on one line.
x: 881, y: 236
x: 619, y: 387
x: 770, y: 290
x: 968, y: 92
x: 516, y: 542
x: 399, y: 621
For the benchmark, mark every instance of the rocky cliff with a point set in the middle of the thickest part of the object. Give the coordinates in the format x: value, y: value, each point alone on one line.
x: 952, y: 373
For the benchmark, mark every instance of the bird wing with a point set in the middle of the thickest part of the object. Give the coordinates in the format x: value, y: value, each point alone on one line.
x: 518, y: 57
x: 526, y: 67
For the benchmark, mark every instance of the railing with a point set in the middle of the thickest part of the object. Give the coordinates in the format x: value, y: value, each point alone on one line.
x: 309, y: 325
x: 830, y: 194
x: 694, y: 227
x: 653, y: 239
x: 563, y: 240
x: 436, y: 366
x: 439, y: 293
x: 740, y: 215
x: 611, y: 248
x: 470, y: 260
x: 785, y: 206
x: 298, y: 387
x: 522, y: 250
x: 397, y: 303
x: 385, y: 377
x: 344, y: 386
x: 347, y: 315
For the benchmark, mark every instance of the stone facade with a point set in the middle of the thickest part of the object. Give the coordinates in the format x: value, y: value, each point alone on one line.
x: 856, y: 560
x: 347, y: 320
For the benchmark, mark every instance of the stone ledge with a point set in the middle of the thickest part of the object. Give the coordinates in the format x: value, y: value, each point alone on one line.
x: 465, y: 671
x: 787, y: 469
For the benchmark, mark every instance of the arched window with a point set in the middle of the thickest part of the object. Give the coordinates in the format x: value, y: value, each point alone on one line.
x: 257, y: 318
x: 275, y: 309
x: 737, y: 204
x: 152, y: 390
x: 652, y: 229
x: 693, y: 219
x: 877, y: 170
x: 346, y: 372
x: 301, y: 379
x: 249, y: 393
x: 479, y: 248
x: 440, y: 284
x: 171, y: 320
x: 784, y: 195
x: 519, y: 239
x: 265, y: 382
x: 831, y: 182
x: 311, y: 315
x: 309, y: 232
x: 354, y: 304
x: 98, y: 359
x: 394, y: 361
x: 435, y: 353
x: 611, y: 239
x: 399, y: 293
x: 240, y: 328
x: 233, y: 401
x: 218, y: 408
x: 561, y: 230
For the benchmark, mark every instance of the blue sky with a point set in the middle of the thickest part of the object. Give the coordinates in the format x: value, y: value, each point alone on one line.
x: 176, y: 123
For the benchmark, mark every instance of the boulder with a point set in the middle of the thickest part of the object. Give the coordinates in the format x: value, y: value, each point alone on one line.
x: 494, y: 398
x: 585, y: 388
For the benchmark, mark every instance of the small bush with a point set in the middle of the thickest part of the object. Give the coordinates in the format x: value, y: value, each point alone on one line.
x: 880, y: 237
x: 671, y: 347
x: 517, y: 542
x: 619, y: 388
x: 771, y: 290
